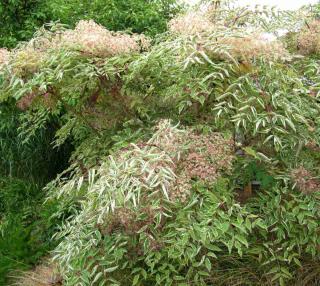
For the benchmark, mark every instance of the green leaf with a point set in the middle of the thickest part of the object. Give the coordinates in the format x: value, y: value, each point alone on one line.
x: 207, y: 264
x: 111, y: 269
x: 242, y: 239
x: 135, y: 279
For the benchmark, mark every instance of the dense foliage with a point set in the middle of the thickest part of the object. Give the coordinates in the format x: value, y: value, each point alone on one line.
x: 20, y: 18
x: 29, y: 162
x: 26, y: 227
x: 196, y: 156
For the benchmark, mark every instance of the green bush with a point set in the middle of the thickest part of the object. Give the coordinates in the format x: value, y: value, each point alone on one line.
x: 21, y: 19
x: 228, y: 197
x: 126, y: 225
x: 149, y: 17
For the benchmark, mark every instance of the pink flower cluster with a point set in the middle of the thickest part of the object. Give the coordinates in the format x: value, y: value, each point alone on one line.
x: 191, y: 23
x: 88, y: 38
x: 4, y: 56
x: 305, y: 181
x: 214, y: 37
x: 252, y: 47
x: 309, y: 38
x: 25, y: 102
x: 93, y: 39
x: 194, y: 156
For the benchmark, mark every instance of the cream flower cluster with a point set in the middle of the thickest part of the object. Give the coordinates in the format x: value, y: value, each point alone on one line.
x: 309, y: 38
x: 93, y: 39
x: 237, y: 42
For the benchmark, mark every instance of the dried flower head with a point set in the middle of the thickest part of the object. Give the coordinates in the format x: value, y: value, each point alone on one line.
x: 43, y: 275
x: 195, y: 156
x: 4, y: 56
x: 305, y: 181
x: 25, y: 102
x: 191, y: 23
x: 93, y: 39
x: 89, y: 38
x: 27, y: 60
x: 254, y: 46
x: 309, y: 38
x: 312, y: 145
x: 221, y: 41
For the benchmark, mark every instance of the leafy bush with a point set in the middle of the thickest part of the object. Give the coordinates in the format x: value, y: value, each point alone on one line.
x: 138, y: 205
x: 231, y: 196
x: 290, y: 237
x: 149, y: 17
x: 130, y: 226
x: 22, y: 18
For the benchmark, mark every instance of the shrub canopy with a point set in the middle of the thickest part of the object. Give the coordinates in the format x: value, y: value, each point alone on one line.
x: 170, y: 138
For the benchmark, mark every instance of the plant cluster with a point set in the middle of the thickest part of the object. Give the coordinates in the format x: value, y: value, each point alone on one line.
x: 28, y: 155
x: 148, y: 201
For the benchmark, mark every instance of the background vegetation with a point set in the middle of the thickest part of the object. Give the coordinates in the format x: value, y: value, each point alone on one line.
x: 20, y: 19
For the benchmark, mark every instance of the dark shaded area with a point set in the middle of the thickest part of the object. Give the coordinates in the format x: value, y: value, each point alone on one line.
x: 35, y: 160
x: 26, y: 225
